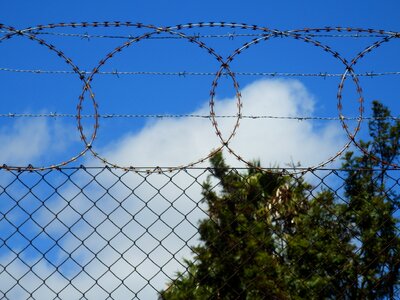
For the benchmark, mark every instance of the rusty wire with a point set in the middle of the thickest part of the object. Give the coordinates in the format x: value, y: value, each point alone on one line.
x: 348, y: 70
x: 99, y: 198
x: 85, y: 84
x: 212, y: 93
x: 260, y: 33
x: 355, y: 60
x: 231, y: 35
x: 187, y: 73
x: 177, y: 116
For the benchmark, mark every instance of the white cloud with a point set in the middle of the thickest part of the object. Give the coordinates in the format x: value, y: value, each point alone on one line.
x: 179, y: 142
x: 141, y: 215
x: 280, y: 142
x: 23, y: 141
x: 34, y: 141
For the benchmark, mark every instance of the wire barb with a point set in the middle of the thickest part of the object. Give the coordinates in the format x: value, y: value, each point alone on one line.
x: 177, y: 116
x: 259, y: 34
x: 188, y: 73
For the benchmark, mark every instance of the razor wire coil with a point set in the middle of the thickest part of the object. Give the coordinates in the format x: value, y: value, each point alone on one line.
x: 259, y: 34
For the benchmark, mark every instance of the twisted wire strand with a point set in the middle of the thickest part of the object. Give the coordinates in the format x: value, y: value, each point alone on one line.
x: 82, y: 78
x: 308, y: 31
x: 354, y: 61
x: 348, y: 70
x: 260, y: 33
x: 199, y: 116
x: 231, y: 35
x: 210, y: 51
x: 286, y: 170
x: 165, y: 169
x: 187, y: 73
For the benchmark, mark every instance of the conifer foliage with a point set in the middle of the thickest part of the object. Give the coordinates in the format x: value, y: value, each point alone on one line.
x: 274, y: 236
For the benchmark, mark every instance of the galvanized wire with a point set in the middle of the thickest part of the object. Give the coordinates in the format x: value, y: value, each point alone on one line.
x: 197, y: 116
x: 231, y: 35
x: 101, y: 232
x: 187, y: 73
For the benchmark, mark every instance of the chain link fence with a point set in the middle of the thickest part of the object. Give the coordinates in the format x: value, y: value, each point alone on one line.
x: 101, y: 233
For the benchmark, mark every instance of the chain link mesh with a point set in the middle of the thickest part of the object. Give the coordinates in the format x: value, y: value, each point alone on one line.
x: 101, y: 233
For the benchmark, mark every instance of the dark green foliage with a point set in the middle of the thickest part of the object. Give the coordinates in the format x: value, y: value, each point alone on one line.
x: 270, y: 236
x: 371, y: 207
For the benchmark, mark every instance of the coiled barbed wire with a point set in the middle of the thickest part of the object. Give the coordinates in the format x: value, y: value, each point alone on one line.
x: 82, y: 78
x: 259, y: 34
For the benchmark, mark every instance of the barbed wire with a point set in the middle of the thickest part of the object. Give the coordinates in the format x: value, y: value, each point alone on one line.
x: 309, y: 32
x: 186, y: 73
x: 231, y: 35
x: 285, y: 170
x: 86, y: 84
x: 177, y: 116
x: 259, y: 34
x: 102, y: 196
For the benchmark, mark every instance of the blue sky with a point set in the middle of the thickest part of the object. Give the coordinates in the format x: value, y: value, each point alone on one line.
x: 43, y: 93
x: 170, y: 142
x: 283, y: 14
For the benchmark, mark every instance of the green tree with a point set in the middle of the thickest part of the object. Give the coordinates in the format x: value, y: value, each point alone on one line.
x: 371, y: 207
x: 273, y: 236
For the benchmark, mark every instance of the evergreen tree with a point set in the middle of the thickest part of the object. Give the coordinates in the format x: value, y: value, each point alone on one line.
x: 272, y: 236
x: 371, y: 207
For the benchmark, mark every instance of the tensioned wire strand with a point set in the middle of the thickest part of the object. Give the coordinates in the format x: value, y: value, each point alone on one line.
x: 187, y: 73
x: 230, y: 35
x: 162, y: 116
